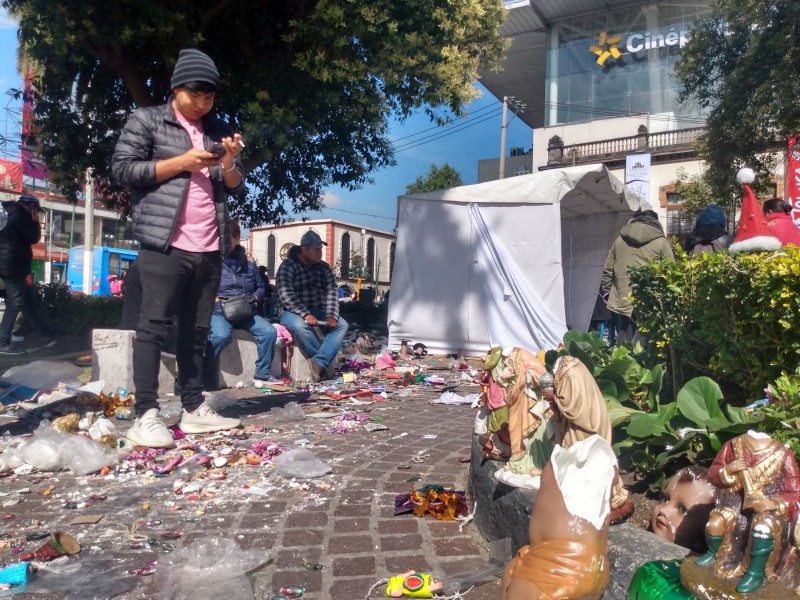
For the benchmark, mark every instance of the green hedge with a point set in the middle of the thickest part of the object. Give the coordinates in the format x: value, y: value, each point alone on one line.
x: 735, y: 318
x: 77, y: 314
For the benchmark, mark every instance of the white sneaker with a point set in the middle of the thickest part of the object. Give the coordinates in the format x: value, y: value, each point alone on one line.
x: 262, y: 382
x: 206, y: 420
x: 150, y: 431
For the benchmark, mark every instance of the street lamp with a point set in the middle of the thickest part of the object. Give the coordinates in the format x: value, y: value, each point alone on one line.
x: 517, y: 107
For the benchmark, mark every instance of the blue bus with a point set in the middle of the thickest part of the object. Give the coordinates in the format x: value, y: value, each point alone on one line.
x: 106, y: 261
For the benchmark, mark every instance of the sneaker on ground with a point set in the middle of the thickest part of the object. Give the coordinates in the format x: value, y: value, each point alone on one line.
x: 206, y: 420
x: 317, y: 371
x: 17, y: 338
x: 12, y: 348
x: 262, y: 382
x: 149, y: 431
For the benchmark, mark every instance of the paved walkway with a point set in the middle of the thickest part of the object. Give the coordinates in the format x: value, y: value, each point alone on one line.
x: 343, y: 521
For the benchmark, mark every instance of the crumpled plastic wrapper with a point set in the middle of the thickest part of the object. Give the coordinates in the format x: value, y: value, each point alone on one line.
x: 300, y: 463
x: 211, y: 567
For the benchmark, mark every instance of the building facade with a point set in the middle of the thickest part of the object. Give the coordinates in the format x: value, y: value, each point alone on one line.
x: 598, y: 79
x: 353, y: 252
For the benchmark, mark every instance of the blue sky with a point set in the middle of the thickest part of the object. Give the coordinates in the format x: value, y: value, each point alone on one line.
x: 418, y: 144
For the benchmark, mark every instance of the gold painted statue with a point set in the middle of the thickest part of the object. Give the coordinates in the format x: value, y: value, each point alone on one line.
x: 748, y: 532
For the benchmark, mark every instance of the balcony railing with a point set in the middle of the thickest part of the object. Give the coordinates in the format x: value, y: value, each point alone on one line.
x: 661, y: 143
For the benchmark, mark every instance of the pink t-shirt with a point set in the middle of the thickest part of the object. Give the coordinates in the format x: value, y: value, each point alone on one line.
x: 197, y: 229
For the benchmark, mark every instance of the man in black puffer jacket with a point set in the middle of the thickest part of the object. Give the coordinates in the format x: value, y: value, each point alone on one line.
x: 181, y: 163
x: 20, y: 232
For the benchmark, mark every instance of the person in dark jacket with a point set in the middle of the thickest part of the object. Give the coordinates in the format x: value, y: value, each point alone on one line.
x: 178, y: 210
x: 641, y: 241
x: 240, y: 276
x: 710, y: 233
x: 779, y: 220
x: 20, y: 232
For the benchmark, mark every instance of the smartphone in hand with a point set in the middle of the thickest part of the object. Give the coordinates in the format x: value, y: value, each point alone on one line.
x: 217, y: 150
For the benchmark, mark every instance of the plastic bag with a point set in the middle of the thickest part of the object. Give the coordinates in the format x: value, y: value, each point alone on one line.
x: 85, y: 577
x: 300, y: 463
x: 288, y: 414
x: 84, y: 455
x: 384, y: 360
x: 211, y: 567
x: 221, y: 400
x: 50, y: 450
x: 44, y: 374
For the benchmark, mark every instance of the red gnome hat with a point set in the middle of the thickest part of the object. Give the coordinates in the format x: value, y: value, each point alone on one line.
x: 752, y: 232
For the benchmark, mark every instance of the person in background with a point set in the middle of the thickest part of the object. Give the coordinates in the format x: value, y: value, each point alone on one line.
x: 181, y: 164
x: 641, y: 241
x: 710, y: 233
x: 307, y: 290
x: 240, y: 276
x: 19, y: 230
x: 779, y: 220
x: 266, y: 307
x: 114, y: 285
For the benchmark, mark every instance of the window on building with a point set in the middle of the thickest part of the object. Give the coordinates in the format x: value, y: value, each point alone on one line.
x: 674, y: 198
x: 271, y: 256
x: 677, y: 223
x: 370, y: 266
x: 344, y: 259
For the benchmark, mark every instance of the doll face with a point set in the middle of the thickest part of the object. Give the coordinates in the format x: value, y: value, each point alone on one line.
x: 681, y: 515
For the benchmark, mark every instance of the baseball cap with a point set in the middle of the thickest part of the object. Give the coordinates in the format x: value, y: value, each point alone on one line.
x: 31, y: 201
x: 311, y: 238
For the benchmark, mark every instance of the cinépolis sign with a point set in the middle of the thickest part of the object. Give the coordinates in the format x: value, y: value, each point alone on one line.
x: 611, y: 47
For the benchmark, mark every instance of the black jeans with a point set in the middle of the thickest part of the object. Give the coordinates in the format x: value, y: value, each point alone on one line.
x: 20, y: 297
x: 179, y: 283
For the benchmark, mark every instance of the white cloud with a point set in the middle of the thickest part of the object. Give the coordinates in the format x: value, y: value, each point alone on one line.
x: 6, y: 21
x: 330, y: 200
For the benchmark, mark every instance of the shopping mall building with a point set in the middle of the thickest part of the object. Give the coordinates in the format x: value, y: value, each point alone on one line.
x: 598, y: 81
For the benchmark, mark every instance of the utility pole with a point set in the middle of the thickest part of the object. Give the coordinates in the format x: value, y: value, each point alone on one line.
x: 88, y: 234
x: 517, y: 107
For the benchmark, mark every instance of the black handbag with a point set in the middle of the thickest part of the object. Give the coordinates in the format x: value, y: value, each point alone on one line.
x: 236, y: 308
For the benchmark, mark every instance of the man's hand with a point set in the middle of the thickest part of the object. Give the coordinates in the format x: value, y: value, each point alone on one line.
x: 331, y: 322
x: 735, y: 466
x: 310, y: 319
x: 195, y: 160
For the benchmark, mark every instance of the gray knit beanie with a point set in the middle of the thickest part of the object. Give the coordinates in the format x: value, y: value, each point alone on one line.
x: 194, y: 65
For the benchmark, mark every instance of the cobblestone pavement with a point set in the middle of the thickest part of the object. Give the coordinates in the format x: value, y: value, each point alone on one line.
x: 343, y: 521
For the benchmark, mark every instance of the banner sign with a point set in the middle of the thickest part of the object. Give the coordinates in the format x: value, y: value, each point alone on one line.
x: 10, y: 176
x: 637, y: 175
x: 32, y: 166
x: 793, y: 177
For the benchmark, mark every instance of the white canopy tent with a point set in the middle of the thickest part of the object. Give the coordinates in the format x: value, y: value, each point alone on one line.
x: 513, y: 262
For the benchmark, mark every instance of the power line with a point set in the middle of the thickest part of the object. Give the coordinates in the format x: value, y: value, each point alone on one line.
x: 436, y: 127
x: 355, y: 212
x: 418, y: 143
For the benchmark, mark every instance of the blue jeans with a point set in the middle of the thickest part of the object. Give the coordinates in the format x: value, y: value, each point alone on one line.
x: 303, y: 335
x: 222, y: 334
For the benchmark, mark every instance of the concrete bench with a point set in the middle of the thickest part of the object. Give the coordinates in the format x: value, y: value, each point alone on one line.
x: 504, y: 512
x: 112, y: 361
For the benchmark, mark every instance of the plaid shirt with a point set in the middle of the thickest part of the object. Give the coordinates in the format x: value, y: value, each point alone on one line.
x: 302, y: 289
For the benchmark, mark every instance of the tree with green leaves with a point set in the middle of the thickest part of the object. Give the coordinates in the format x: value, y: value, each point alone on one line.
x: 310, y: 84
x: 743, y: 65
x: 438, y: 178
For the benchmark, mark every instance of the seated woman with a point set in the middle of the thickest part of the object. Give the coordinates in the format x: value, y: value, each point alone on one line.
x: 779, y: 220
x: 239, y: 276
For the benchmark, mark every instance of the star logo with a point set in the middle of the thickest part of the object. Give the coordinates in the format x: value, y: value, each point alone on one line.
x: 606, y: 48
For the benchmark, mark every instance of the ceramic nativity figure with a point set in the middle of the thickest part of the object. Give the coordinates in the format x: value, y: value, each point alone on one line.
x: 681, y: 515
x: 748, y: 532
x: 567, y: 557
x: 579, y: 411
x: 491, y: 422
x: 524, y: 468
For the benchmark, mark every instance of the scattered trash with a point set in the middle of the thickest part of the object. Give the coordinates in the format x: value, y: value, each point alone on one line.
x: 442, y: 503
x: 300, y: 462
x: 292, y: 412
x: 207, y: 568
x: 453, y: 398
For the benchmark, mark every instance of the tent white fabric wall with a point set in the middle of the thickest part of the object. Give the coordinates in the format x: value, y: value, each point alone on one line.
x: 512, y: 262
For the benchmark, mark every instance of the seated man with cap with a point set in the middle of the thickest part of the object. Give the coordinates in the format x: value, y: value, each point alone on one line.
x: 307, y: 290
